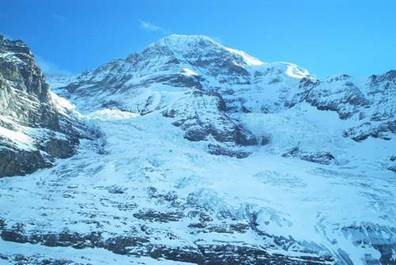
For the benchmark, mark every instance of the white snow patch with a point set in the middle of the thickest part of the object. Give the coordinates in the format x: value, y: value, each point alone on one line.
x: 111, y: 115
x: 188, y: 72
x: 18, y: 138
x: 296, y: 72
x: 250, y: 60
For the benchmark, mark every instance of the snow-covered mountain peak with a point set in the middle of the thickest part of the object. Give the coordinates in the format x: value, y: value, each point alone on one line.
x: 199, y: 48
x: 183, y: 42
x: 183, y: 45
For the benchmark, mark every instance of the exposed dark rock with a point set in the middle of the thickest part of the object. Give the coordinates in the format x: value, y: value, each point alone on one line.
x: 369, y: 129
x: 388, y: 76
x: 204, y: 227
x: 186, y: 254
x: 61, y: 148
x: 199, y: 123
x: 318, y: 157
x: 196, y: 133
x: 20, y: 162
x: 168, y: 197
x: 37, y: 260
x: 162, y: 217
x: 25, y: 101
x: 116, y: 190
x: 22, y: 82
x: 344, y: 97
x: 217, y: 149
x: 324, y: 158
x: 387, y: 256
x: 198, y: 253
x: 245, y: 254
x: 15, y: 233
x: 122, y: 244
x: 243, y: 137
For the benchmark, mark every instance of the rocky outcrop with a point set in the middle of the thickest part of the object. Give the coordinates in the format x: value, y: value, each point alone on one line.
x: 221, y: 149
x: 202, y: 115
x: 199, y: 252
x: 20, y: 162
x: 24, y: 92
x: 32, y: 131
x: 324, y: 158
x: 371, y: 129
x: 337, y: 94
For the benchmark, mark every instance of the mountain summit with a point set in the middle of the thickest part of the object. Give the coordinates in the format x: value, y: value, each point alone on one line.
x: 190, y: 46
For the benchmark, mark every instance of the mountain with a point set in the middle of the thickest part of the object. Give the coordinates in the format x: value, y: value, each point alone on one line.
x: 225, y: 80
x: 34, y: 125
x: 226, y: 85
x: 207, y: 155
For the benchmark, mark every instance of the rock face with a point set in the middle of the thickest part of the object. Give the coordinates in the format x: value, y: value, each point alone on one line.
x: 371, y: 102
x: 24, y: 92
x: 378, y: 119
x: 337, y: 94
x: 32, y: 131
x: 202, y: 114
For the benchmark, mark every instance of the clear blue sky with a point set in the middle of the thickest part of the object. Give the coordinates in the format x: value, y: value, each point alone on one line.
x: 326, y: 37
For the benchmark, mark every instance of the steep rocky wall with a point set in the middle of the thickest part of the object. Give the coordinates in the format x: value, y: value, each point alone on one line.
x: 31, y: 134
